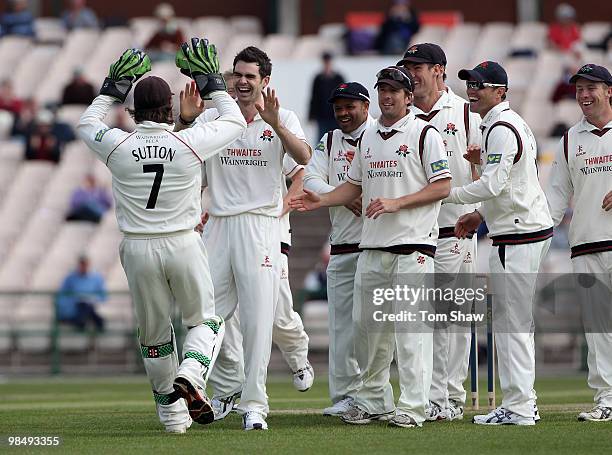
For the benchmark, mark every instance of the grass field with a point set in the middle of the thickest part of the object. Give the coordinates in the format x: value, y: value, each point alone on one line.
x: 118, y: 416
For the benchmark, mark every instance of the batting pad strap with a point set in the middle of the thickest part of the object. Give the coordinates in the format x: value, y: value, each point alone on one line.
x: 214, y: 325
x: 199, y: 357
x: 155, y: 352
x: 165, y: 399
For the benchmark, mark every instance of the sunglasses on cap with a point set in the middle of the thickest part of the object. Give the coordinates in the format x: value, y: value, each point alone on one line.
x: 393, y: 73
x: 475, y: 85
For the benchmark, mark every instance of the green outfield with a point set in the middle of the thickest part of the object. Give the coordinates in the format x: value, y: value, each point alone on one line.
x: 118, y: 416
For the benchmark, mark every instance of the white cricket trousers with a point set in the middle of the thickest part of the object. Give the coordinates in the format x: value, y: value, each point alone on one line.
x: 344, y: 375
x: 161, y: 270
x: 514, y: 271
x: 451, y: 342
x: 599, y: 342
x: 245, y: 268
x: 288, y: 334
x: 376, y: 341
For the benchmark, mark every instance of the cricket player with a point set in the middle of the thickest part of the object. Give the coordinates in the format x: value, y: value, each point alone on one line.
x: 459, y: 128
x: 242, y: 234
x: 516, y: 212
x: 402, y: 169
x: 156, y: 178
x: 582, y: 170
x: 327, y: 170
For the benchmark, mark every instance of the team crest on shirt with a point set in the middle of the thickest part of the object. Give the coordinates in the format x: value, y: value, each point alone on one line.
x: 421, y: 259
x: 403, y: 151
x: 412, y: 50
x: 267, y: 136
x: 349, y: 155
x: 266, y: 262
x: 451, y: 129
x: 580, y: 151
x: 455, y: 249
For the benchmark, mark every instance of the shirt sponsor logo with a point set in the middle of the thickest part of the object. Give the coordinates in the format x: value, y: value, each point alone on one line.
x: 267, y: 136
x: 367, y: 155
x: 440, y: 165
x: 597, y: 164
x: 451, y: 129
x: 494, y: 158
x: 403, y: 151
x: 320, y: 147
x: 100, y: 134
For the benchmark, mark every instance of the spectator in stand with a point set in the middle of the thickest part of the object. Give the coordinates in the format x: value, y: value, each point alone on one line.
x: 89, y: 202
x: 81, y: 292
x: 17, y: 20
x: 564, y: 90
x: 41, y: 142
x: 168, y: 38
x: 78, y: 15
x: 322, y: 86
x: 564, y: 33
x: 8, y: 100
x: 401, y: 24
x: 78, y: 90
x: 25, y: 119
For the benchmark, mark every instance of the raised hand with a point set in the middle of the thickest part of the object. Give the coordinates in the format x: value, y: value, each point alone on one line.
x: 191, y: 103
x: 269, y: 112
x: 130, y: 67
x: 201, y: 63
x: 306, y: 201
x: 380, y: 205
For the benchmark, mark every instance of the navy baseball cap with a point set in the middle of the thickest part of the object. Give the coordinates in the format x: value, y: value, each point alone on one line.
x: 489, y: 72
x: 593, y: 73
x: 395, y: 76
x: 424, y: 53
x: 351, y: 90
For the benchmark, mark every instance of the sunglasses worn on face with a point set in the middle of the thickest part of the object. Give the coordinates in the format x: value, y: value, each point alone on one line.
x: 480, y: 85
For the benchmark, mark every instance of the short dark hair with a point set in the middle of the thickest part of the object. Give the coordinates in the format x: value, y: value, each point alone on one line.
x: 253, y: 54
x: 160, y: 115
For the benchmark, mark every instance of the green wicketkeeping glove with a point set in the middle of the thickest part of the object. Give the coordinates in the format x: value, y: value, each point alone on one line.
x: 201, y: 63
x: 130, y: 67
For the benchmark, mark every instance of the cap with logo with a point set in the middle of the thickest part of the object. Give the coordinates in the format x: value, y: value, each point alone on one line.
x: 489, y: 72
x: 351, y: 90
x: 396, y: 76
x: 424, y: 53
x: 593, y: 73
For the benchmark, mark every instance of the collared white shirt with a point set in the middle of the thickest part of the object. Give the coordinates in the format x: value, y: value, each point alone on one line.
x: 453, y: 120
x: 327, y: 169
x: 513, y: 200
x: 246, y: 176
x: 586, y: 174
x: 411, y: 157
x: 156, y: 172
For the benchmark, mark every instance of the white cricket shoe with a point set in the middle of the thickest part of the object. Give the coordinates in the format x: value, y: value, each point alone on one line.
x: 403, y: 421
x: 502, y: 416
x: 253, y: 420
x: 174, y: 417
x: 434, y: 412
x: 224, y: 405
x: 339, y: 408
x: 357, y: 416
x: 303, y: 378
x: 597, y: 414
x: 455, y: 410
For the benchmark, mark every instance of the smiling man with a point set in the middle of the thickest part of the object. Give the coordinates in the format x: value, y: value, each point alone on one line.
x: 580, y: 171
x: 402, y: 169
x: 328, y: 169
x: 515, y: 210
